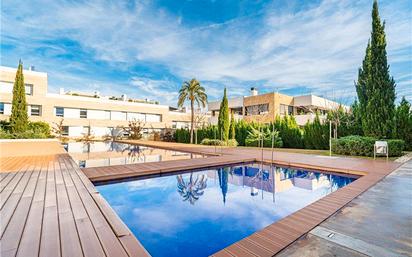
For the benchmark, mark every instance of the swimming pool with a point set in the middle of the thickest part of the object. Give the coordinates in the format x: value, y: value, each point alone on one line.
x: 108, y: 153
x: 198, y: 213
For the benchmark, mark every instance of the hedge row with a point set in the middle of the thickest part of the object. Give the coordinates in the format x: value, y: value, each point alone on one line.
x: 363, y: 146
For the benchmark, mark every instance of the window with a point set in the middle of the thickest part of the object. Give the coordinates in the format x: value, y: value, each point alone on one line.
x: 59, y: 111
x: 29, y: 89
x: 153, y: 118
x: 237, y: 111
x: 1, y: 108
x: 65, y: 131
x: 35, y: 110
x: 257, y: 109
x: 83, y: 114
x: 285, y: 109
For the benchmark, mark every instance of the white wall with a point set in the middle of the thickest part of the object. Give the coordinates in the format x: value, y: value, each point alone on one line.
x: 135, y: 116
x: 7, y: 109
x: 100, y: 131
x: 75, y: 131
x: 72, y: 113
x: 118, y: 115
x: 98, y: 115
x: 6, y: 87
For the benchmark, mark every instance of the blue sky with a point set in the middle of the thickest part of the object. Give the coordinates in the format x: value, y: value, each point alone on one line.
x: 146, y: 49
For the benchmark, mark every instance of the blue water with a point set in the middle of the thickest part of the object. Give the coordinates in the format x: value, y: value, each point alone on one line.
x: 201, y: 212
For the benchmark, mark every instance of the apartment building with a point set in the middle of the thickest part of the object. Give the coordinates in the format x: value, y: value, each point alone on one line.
x: 85, y: 113
x: 265, y: 107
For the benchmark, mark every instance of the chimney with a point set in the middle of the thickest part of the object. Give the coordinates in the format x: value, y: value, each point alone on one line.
x: 253, y: 91
x: 124, y: 97
x: 32, y: 68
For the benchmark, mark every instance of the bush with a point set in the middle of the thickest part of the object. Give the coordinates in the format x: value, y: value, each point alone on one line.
x: 363, y: 146
x: 289, y: 131
x: 182, y: 135
x: 40, y: 127
x: 23, y: 135
x: 316, y: 135
x: 254, y: 138
x: 230, y: 142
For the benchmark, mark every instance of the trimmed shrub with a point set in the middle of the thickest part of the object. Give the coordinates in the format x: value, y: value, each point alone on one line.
x: 289, y: 131
x: 363, y: 146
x: 40, y: 127
x: 182, y: 135
x: 316, y: 135
x: 230, y: 142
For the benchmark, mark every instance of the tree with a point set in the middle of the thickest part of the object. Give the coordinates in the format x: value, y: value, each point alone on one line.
x: 232, y: 133
x: 403, y: 128
x: 223, y: 119
x: 19, y: 119
x: 375, y: 87
x: 134, y: 129
x: 194, y: 92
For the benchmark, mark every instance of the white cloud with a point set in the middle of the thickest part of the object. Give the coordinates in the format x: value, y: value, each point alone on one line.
x: 319, y: 48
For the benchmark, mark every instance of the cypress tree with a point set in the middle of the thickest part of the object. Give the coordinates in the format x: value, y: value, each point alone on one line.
x: 364, y: 74
x: 232, y: 133
x: 403, y: 127
x: 376, y: 85
x: 19, y: 119
x: 223, y: 119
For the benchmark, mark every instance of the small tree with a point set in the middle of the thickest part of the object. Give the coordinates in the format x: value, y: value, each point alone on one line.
x: 403, y: 128
x: 135, y: 129
x: 58, y: 129
x: 232, y: 133
x: 19, y: 119
x: 223, y: 119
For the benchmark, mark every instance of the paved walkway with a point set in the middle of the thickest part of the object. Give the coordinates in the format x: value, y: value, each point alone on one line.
x: 377, y: 223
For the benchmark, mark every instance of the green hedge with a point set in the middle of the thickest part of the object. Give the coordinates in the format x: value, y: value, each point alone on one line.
x: 363, y: 146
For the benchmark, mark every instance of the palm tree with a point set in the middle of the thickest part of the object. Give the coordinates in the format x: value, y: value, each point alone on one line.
x: 194, y: 92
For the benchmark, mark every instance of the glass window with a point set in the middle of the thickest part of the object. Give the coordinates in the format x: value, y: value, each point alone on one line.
x: 59, y: 111
x: 65, y: 131
x: 153, y: 118
x: 1, y: 108
x: 290, y: 110
x: 29, y: 89
x: 35, y: 110
x: 83, y: 113
x: 257, y: 109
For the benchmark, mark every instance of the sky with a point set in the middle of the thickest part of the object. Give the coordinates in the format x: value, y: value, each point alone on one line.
x: 147, y: 49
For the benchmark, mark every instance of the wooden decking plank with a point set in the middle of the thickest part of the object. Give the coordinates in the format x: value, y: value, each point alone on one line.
x: 7, y: 177
x: 88, y: 238
x: 11, y: 186
x: 9, y: 204
x: 50, y: 236
x: 133, y: 247
x: 110, y: 243
x: 30, y: 241
x: 14, y: 230
x: 69, y: 238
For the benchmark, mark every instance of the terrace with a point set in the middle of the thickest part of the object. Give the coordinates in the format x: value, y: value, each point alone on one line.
x: 50, y: 207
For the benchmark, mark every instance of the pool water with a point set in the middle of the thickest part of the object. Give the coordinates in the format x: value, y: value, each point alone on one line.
x: 108, y: 153
x: 201, y: 212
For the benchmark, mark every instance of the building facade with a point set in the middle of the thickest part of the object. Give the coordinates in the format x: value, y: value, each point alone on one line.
x: 84, y: 113
x: 265, y: 107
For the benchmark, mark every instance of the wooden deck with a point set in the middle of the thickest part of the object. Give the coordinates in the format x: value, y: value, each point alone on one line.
x: 49, y: 207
